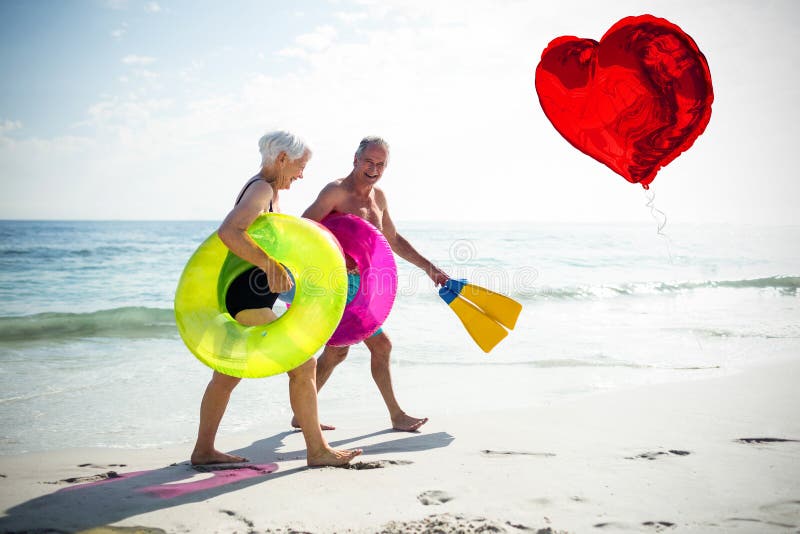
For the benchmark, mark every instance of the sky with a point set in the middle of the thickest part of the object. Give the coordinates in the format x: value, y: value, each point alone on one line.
x: 130, y: 109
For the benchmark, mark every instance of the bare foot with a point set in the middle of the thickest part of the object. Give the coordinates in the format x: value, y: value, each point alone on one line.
x: 406, y: 423
x: 216, y: 457
x: 333, y: 457
x: 295, y: 424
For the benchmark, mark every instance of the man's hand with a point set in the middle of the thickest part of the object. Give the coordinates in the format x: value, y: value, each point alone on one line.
x: 277, y: 277
x: 438, y: 276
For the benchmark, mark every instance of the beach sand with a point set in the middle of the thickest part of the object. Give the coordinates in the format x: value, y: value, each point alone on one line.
x: 717, y: 454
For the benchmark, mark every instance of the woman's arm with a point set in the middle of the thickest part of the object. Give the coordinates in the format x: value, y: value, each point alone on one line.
x: 233, y: 233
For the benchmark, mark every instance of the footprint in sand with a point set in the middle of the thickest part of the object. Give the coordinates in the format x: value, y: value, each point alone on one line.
x: 658, y: 526
x: 656, y: 454
x: 754, y: 520
x: 458, y: 523
x: 377, y: 464
x: 110, y: 529
x: 433, y: 497
x: 785, y: 514
x: 489, y: 452
x: 766, y: 440
x: 240, y: 517
x: 92, y: 478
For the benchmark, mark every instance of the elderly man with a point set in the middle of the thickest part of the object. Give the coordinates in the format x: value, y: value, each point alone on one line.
x: 357, y: 194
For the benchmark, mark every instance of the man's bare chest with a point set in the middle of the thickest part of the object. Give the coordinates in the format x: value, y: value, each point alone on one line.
x: 367, y: 210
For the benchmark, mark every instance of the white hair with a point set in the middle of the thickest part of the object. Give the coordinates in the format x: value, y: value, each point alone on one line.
x: 272, y: 144
x: 372, y: 140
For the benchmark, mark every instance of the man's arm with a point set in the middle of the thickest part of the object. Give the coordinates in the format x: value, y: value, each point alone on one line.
x: 405, y: 250
x: 325, y: 203
x: 233, y: 233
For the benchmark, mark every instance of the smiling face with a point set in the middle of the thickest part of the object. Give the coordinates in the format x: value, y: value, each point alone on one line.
x: 290, y: 170
x: 369, y: 166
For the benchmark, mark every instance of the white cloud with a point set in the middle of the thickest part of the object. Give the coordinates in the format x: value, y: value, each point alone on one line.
x: 310, y: 43
x: 118, y: 33
x: 351, y: 17
x: 9, y: 126
x: 452, y: 89
x: 188, y: 74
x: 292, y: 52
x: 31, y: 188
x: 126, y: 112
x: 320, y: 39
x: 116, y: 4
x: 133, y: 59
x: 146, y: 74
x: 418, y: 87
x: 152, y: 7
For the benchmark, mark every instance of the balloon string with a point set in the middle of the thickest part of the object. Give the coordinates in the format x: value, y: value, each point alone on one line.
x: 661, y: 220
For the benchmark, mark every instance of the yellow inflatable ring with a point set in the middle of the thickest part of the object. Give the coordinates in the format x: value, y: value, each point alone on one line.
x: 316, y: 262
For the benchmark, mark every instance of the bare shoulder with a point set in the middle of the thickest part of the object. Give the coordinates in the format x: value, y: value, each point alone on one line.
x: 254, y: 200
x: 328, y: 200
x: 259, y: 193
x: 334, y: 188
x: 380, y: 197
x: 334, y: 192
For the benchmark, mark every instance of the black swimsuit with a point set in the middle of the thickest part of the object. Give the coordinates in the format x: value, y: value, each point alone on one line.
x: 249, y: 290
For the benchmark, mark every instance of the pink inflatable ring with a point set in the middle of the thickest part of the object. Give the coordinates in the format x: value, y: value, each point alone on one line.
x: 371, y: 297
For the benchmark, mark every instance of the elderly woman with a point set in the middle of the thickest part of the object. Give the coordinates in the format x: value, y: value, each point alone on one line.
x: 283, y: 158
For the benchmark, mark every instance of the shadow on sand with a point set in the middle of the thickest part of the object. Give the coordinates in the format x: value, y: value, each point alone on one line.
x: 122, y: 495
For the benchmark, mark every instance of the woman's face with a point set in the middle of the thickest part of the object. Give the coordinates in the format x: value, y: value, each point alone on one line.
x: 292, y: 170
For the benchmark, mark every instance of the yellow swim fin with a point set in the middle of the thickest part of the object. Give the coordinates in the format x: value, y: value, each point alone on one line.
x: 499, y: 307
x: 486, y: 333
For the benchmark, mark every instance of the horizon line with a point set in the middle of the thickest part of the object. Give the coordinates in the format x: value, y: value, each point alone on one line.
x: 435, y: 221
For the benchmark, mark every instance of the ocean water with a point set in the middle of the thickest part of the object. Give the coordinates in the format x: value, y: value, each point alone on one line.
x: 90, y: 355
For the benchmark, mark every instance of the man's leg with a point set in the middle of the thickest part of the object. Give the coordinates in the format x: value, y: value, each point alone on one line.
x: 333, y: 356
x: 303, y: 397
x: 380, y: 348
x: 328, y: 360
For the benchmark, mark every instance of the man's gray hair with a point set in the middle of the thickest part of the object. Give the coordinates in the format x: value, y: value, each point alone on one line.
x: 372, y: 140
x: 272, y: 144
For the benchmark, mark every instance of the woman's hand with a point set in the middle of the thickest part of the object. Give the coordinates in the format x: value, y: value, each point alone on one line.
x: 277, y: 277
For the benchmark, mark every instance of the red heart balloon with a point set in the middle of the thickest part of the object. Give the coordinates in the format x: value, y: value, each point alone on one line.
x: 634, y: 101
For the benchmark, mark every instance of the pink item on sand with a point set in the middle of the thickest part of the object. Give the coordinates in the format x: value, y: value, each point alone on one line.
x: 221, y: 476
